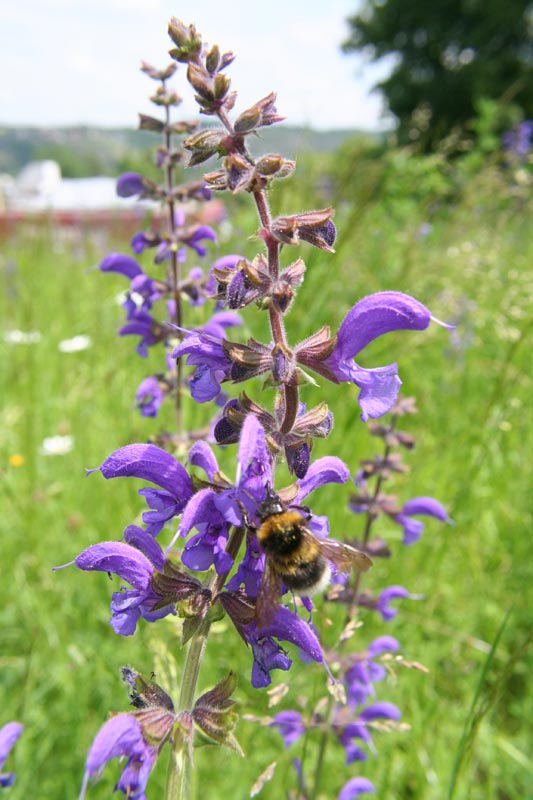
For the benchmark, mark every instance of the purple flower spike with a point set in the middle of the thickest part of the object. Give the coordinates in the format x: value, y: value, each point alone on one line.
x: 386, y: 596
x: 356, y: 787
x: 151, y: 463
x: 121, y: 736
x: 289, y: 725
x: 9, y: 735
x: 424, y: 506
x: 129, y: 184
x: 369, y: 319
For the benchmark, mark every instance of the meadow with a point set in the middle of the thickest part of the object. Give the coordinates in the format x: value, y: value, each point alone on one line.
x: 467, y: 254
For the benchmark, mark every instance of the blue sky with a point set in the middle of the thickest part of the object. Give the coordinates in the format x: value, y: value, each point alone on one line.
x: 74, y: 61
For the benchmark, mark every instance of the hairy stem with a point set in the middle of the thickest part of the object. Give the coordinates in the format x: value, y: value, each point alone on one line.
x: 292, y: 393
x: 175, y: 268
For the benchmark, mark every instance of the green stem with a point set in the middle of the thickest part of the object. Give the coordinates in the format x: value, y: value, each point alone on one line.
x: 178, y: 785
x: 179, y: 766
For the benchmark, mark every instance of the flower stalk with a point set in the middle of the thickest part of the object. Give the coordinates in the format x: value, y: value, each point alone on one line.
x: 286, y: 545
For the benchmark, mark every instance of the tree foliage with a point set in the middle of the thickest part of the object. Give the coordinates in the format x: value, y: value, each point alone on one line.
x: 447, y: 55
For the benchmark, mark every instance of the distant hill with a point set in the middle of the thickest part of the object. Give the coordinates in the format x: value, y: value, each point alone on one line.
x: 86, y: 151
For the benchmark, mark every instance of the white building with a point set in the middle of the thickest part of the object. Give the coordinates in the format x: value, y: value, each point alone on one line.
x: 39, y: 187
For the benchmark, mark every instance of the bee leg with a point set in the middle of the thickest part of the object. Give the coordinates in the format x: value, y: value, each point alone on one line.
x: 306, y: 511
x: 245, y: 518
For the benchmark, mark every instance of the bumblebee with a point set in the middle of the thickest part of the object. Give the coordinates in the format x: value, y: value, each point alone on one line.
x: 294, y: 556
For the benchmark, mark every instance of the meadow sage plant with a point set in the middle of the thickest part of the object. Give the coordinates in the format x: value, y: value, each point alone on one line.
x: 212, y: 545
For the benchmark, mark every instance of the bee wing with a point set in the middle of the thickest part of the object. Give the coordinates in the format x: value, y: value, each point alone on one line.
x: 268, y: 597
x: 344, y: 556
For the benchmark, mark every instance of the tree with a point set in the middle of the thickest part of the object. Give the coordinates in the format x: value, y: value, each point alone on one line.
x: 449, y: 55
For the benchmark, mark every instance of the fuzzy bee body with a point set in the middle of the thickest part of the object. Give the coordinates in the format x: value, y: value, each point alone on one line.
x: 295, y: 557
x: 295, y: 552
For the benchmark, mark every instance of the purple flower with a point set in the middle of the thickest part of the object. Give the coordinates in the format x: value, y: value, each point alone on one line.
x: 209, y: 545
x: 122, y: 737
x: 151, y: 463
x: 199, y: 234
x: 149, y: 396
x: 359, y: 729
x: 9, y: 734
x: 146, y: 289
x: 424, y: 506
x: 135, y: 560
x: 269, y: 655
x: 289, y: 725
x: 130, y: 184
x: 121, y: 264
x: 364, y: 672
x: 386, y: 597
x: 212, y: 512
x: 141, y: 323
x: 355, y: 787
x: 142, y: 239
x: 518, y: 139
x: 369, y: 319
x: 204, y: 351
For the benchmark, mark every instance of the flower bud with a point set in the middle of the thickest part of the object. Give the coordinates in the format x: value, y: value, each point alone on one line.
x: 212, y: 59
x: 204, y: 144
x: 188, y: 42
x: 201, y: 81
x: 248, y: 120
x: 222, y: 84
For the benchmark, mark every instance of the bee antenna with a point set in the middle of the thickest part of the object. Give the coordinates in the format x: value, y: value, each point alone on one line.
x: 269, y: 492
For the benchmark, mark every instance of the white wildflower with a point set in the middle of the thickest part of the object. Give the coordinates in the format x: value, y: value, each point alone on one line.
x: 22, y: 337
x: 75, y: 344
x: 57, y: 445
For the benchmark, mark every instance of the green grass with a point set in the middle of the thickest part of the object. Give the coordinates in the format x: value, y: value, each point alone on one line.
x: 470, y: 714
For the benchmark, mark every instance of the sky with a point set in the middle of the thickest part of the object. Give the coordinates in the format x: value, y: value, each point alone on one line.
x: 69, y: 62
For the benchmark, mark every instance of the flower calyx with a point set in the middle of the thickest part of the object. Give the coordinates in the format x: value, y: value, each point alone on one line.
x: 314, y: 351
x: 391, y: 436
x: 261, y: 114
x: 254, y: 358
x: 297, y: 444
x: 315, y: 227
x: 244, y: 283
x: 158, y: 74
x: 154, y: 708
x: 214, y: 714
x: 173, y: 585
